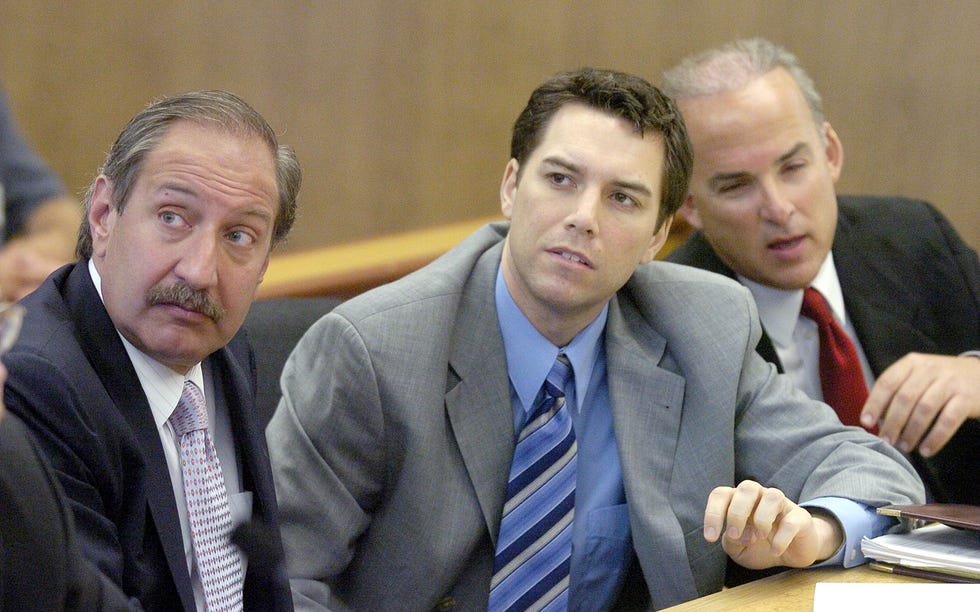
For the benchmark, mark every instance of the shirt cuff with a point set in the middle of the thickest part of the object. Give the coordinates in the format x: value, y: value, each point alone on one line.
x: 857, y: 521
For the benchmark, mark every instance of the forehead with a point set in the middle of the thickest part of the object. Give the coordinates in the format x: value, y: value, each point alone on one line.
x: 584, y: 134
x: 767, y: 112
x: 214, y: 156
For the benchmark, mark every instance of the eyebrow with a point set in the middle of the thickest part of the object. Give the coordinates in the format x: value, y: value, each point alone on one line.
x: 799, y: 147
x: 177, y: 187
x: 574, y: 168
x: 722, y: 177
x: 189, y: 191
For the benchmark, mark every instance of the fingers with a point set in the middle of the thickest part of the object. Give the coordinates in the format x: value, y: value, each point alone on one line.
x: 749, y: 511
x: 716, y: 511
x: 789, y: 528
x: 760, y: 527
x: 924, y: 399
x: 953, y: 415
x: 883, y: 395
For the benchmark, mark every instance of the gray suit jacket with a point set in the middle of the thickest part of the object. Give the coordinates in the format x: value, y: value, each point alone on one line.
x: 392, y: 444
x: 910, y: 284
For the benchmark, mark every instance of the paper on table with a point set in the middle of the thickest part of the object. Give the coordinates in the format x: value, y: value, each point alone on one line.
x: 902, y: 597
x: 936, y: 546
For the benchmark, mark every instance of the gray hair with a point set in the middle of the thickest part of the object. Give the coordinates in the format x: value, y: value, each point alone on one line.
x: 218, y: 108
x: 733, y: 65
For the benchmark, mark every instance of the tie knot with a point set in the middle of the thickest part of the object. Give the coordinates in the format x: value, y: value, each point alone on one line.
x: 191, y: 413
x: 561, y: 371
x: 815, y: 307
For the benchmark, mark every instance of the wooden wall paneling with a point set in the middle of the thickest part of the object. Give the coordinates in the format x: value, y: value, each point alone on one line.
x: 400, y: 111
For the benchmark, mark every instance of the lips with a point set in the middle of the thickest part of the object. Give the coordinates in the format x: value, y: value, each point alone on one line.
x: 786, y: 243
x: 572, y: 256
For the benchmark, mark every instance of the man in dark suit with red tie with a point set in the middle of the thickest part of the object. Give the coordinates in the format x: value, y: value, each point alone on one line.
x: 902, y: 287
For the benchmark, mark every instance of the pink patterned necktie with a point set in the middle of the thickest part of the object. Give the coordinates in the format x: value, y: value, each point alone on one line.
x: 219, y: 563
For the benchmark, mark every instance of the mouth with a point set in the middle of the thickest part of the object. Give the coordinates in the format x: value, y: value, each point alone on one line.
x: 183, y: 311
x: 786, y: 244
x: 572, y: 256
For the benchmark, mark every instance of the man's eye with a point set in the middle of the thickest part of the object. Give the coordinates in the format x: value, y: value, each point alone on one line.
x: 624, y: 199
x: 240, y: 237
x: 559, y: 179
x: 731, y: 187
x: 794, y: 167
x: 169, y: 218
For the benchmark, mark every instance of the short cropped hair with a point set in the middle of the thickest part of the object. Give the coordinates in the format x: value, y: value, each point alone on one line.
x: 622, y: 95
x: 733, y: 65
x: 207, y: 108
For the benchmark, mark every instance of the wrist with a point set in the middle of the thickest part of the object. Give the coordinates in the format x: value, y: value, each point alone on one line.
x: 830, y: 534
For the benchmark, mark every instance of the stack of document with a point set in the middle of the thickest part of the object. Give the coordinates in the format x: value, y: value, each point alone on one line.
x: 938, y: 551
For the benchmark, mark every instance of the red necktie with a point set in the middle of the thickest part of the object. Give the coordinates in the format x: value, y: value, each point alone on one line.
x: 841, y: 378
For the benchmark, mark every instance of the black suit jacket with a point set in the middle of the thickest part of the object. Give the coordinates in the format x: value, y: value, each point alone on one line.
x: 910, y: 284
x: 73, y: 384
x: 40, y: 565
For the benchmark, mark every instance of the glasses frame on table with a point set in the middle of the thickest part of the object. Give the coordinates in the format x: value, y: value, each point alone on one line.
x: 11, y: 318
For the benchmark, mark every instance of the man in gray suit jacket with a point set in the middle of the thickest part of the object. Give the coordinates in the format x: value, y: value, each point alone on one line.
x: 902, y: 283
x: 404, y: 409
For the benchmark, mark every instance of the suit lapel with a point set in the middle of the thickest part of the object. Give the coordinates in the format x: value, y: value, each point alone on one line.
x: 230, y: 368
x: 235, y: 394
x: 697, y: 252
x: 101, y: 343
x: 478, y: 391
x: 646, y: 407
x: 878, y: 302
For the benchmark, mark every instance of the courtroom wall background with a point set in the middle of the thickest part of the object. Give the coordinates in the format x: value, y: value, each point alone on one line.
x: 401, y: 111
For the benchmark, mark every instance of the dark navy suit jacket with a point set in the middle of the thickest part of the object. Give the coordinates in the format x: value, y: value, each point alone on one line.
x: 910, y: 283
x: 40, y: 565
x: 73, y: 384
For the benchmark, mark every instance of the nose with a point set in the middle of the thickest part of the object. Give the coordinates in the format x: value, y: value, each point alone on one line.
x: 198, y: 263
x: 585, y: 216
x: 775, y: 206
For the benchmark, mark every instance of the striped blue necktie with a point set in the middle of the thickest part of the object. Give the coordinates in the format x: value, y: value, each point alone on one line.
x: 534, y: 548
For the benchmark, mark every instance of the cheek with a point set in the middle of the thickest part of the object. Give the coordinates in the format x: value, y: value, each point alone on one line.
x: 237, y: 286
x: 729, y: 223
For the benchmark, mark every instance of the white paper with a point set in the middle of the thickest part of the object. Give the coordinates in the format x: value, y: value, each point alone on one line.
x: 935, y: 546
x: 895, y: 597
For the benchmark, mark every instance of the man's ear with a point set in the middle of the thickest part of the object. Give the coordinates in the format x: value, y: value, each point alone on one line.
x: 658, y: 241
x: 834, y: 151
x: 508, y: 187
x: 101, y: 215
x: 689, y: 213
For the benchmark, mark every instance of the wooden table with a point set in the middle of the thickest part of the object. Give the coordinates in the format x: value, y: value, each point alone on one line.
x: 789, y: 591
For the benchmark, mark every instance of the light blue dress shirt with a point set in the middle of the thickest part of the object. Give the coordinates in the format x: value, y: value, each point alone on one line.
x: 601, y: 544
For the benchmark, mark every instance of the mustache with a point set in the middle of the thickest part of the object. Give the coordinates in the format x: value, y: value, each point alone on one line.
x: 188, y: 298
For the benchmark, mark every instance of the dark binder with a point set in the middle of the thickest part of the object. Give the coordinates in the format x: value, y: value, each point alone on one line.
x: 963, y: 516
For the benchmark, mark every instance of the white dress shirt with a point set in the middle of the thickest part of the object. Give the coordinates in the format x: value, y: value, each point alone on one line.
x: 794, y: 336
x: 163, y: 388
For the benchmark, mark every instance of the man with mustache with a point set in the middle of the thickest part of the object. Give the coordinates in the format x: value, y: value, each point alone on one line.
x: 899, y: 279
x: 130, y: 371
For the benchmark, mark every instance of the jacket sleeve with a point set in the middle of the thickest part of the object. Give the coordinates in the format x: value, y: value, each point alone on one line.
x: 326, y: 447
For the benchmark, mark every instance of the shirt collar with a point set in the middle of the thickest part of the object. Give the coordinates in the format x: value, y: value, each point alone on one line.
x: 779, y: 309
x: 162, y: 386
x: 530, y: 355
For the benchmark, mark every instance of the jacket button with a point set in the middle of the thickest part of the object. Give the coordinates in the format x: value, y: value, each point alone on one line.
x: 445, y: 604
